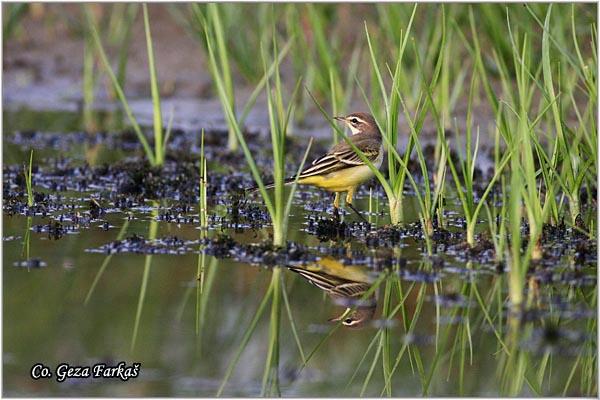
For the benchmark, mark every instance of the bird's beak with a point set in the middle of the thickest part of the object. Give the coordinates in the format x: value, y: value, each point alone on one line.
x: 339, y: 118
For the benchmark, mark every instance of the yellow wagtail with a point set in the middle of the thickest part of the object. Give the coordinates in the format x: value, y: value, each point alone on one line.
x: 341, y: 169
x: 346, y: 285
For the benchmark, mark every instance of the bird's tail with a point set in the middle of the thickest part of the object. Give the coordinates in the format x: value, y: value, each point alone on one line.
x: 255, y: 189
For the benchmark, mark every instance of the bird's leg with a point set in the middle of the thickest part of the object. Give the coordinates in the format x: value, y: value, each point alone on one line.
x: 349, y: 196
x: 336, y: 206
x: 349, y: 202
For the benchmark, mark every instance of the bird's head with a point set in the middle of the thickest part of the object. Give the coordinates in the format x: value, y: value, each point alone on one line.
x: 360, y: 122
x: 357, y: 318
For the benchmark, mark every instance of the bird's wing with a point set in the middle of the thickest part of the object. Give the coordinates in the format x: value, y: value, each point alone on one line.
x: 331, y: 284
x: 319, y: 279
x: 351, y: 289
x: 342, y: 156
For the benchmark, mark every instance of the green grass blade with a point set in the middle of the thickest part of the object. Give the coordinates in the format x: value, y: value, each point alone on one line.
x: 142, y: 296
x: 104, y: 264
x: 236, y: 128
x: 118, y: 89
x: 156, y: 107
x: 292, y: 323
x: 245, y: 339
x: 29, y: 180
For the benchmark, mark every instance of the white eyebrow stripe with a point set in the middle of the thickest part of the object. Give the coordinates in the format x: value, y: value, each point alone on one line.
x: 359, y: 119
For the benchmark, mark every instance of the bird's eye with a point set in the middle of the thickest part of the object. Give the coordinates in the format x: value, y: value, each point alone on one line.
x: 354, y: 121
x: 348, y: 321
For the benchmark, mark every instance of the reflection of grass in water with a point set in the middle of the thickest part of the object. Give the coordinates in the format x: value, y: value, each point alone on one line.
x: 203, y: 289
x: 389, y: 372
x: 513, y: 364
x: 246, y: 338
x: 104, y: 264
x: 518, y: 369
x: 414, y: 354
x: 147, y: 263
x: 292, y: 323
x: 589, y: 364
x: 26, y: 240
x: 270, y: 381
x: 29, y: 187
x: 204, y: 279
x: 202, y: 295
x: 463, y: 339
x: 385, y: 336
x: 276, y: 290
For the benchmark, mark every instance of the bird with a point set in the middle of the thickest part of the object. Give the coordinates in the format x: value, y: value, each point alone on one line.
x: 346, y: 285
x: 341, y: 169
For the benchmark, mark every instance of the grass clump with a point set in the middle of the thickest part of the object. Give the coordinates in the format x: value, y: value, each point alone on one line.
x: 117, y: 31
x: 208, y: 26
x: 278, y: 119
x: 278, y: 207
x: 155, y: 156
x: 220, y: 64
x: 464, y: 183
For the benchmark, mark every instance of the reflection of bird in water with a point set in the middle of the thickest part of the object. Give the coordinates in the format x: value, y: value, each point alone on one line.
x: 346, y: 286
